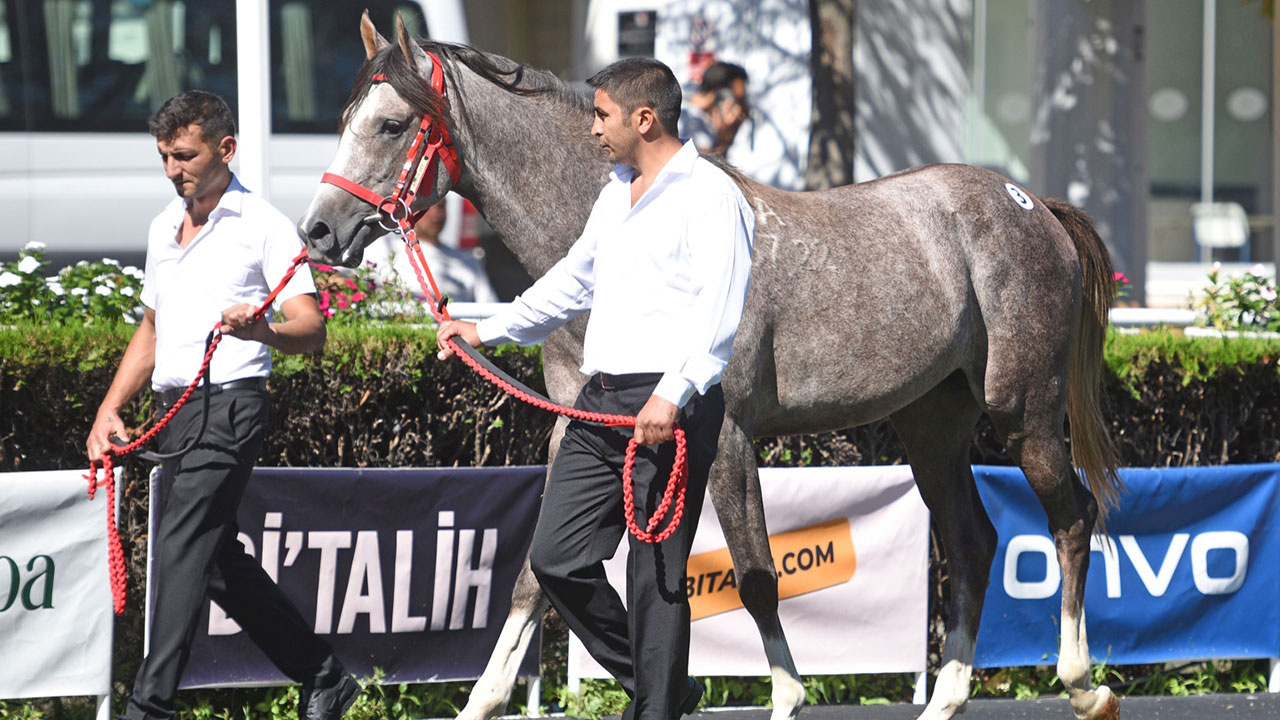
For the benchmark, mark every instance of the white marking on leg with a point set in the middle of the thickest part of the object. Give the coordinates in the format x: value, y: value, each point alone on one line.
x: 1073, y: 654
x: 788, y: 690
x: 492, y: 690
x: 1073, y: 669
x: 951, y: 691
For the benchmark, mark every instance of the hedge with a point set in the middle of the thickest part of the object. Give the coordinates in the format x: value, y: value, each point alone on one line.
x: 376, y: 396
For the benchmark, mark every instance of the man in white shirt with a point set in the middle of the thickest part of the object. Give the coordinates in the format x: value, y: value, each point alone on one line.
x: 663, y: 264
x: 213, y: 255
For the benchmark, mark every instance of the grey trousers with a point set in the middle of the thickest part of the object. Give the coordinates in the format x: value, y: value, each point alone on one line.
x: 197, y: 553
x: 645, y: 645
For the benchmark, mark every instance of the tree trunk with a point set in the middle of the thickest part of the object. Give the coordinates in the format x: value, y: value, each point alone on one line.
x: 831, y: 63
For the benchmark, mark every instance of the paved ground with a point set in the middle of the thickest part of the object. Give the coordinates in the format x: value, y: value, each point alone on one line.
x: 1204, y: 707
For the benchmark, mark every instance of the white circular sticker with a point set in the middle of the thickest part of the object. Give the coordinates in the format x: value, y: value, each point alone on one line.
x: 1019, y: 196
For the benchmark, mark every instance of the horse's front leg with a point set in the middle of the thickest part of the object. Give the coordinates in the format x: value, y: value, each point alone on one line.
x: 492, y: 691
x: 734, y: 483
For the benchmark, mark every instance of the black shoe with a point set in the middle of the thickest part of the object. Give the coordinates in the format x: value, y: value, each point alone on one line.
x: 329, y: 703
x: 692, y: 696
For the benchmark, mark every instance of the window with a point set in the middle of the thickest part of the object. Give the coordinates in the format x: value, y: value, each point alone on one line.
x: 11, y: 106
x: 316, y: 51
x: 1241, y: 138
x: 107, y: 65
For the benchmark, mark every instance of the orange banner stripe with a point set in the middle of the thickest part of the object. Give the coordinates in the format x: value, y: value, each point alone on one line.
x: 807, y: 559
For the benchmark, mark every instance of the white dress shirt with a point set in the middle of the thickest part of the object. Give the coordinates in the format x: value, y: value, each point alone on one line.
x: 239, y: 256
x: 665, y: 280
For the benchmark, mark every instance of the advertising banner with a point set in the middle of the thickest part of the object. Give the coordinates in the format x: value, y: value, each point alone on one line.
x: 1187, y: 570
x: 409, y: 571
x: 851, y: 550
x: 55, y: 595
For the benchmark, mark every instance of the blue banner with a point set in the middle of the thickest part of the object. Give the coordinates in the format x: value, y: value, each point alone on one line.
x: 406, y: 570
x: 1189, y: 571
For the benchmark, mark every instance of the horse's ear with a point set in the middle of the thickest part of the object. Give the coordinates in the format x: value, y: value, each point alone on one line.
x: 373, y: 40
x: 413, y: 52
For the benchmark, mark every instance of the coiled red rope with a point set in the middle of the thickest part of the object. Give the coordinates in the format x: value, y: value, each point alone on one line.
x: 115, y: 554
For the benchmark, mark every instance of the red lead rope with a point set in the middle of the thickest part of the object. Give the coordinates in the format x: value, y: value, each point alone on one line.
x: 115, y: 554
x: 679, y: 478
x: 426, y: 156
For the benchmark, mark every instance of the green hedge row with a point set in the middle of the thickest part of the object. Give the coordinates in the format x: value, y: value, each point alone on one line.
x: 378, y: 397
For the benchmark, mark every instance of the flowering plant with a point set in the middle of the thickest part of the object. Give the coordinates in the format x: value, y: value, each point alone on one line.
x: 1120, y: 284
x: 1241, y: 302
x: 87, y: 292
x: 347, y: 296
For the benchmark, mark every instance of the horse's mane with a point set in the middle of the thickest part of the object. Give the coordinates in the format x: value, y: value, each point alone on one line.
x: 507, y: 74
x: 739, y: 178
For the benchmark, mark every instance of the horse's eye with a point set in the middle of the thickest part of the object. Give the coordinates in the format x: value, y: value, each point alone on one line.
x: 392, y: 127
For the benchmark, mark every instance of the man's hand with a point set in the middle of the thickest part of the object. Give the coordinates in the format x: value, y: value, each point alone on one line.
x: 455, y: 328
x: 238, y: 322
x: 105, y: 425
x: 656, y: 422
x: 732, y: 113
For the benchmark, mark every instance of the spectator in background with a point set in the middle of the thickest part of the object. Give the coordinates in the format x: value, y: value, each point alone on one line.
x: 713, y: 113
x: 459, y: 274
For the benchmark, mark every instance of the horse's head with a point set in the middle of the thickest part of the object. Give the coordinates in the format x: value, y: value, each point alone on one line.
x: 391, y: 96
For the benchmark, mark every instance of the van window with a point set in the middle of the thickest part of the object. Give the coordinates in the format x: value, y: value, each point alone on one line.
x: 107, y: 65
x: 10, y: 72
x: 315, y: 53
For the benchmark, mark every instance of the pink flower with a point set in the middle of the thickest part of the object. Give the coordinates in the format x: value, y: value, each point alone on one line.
x: 324, y: 299
x: 321, y: 268
x: 352, y: 284
x: 342, y: 302
x: 1120, y: 278
x: 357, y: 296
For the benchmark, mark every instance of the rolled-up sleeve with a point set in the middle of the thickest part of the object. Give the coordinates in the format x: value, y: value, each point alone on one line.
x: 720, y: 240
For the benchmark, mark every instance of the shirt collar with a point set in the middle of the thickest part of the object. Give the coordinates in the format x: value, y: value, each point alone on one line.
x: 231, y: 202
x: 680, y: 164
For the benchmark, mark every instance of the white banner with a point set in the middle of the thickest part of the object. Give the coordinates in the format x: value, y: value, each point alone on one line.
x: 55, y: 596
x: 851, y: 548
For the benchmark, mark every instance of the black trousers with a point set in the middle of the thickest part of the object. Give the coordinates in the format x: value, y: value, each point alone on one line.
x: 197, y: 552
x: 646, y: 644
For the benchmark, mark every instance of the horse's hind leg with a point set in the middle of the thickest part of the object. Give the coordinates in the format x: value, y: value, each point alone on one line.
x: 734, y: 482
x: 1030, y: 422
x: 937, y: 430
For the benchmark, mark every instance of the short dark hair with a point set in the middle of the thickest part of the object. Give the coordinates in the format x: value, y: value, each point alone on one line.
x: 639, y: 82
x: 720, y: 75
x: 200, y: 107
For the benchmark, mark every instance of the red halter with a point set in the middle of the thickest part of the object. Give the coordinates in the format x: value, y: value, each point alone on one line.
x: 423, y: 156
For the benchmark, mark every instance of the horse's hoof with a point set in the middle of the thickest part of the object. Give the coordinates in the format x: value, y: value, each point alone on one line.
x: 1105, y: 706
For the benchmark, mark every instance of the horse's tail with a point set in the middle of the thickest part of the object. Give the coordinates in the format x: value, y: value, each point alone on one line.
x: 1091, y: 448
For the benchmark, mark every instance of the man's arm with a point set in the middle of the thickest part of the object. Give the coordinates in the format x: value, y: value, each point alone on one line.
x: 131, y: 377
x: 302, y: 331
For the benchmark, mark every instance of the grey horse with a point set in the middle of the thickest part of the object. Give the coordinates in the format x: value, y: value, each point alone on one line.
x: 930, y: 297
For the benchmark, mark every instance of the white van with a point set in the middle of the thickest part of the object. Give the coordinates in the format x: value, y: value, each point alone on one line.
x: 79, y: 78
